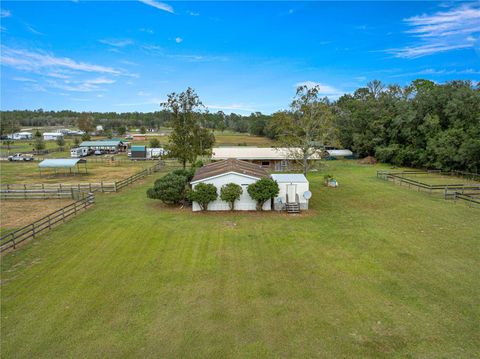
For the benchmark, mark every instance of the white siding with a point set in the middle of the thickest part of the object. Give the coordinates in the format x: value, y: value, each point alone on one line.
x: 245, y: 203
x: 301, y: 188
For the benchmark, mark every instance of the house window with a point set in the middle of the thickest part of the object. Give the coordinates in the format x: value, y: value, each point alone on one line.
x: 283, y: 163
x: 266, y: 163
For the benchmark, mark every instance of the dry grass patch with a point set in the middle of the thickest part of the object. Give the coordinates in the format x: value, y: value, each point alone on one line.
x: 16, y: 214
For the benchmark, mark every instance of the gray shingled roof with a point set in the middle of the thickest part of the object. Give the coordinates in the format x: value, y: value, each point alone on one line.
x: 229, y: 165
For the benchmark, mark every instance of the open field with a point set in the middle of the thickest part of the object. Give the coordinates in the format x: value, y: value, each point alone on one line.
x: 28, y: 172
x: 372, y: 270
x: 439, y: 179
x: 15, y: 214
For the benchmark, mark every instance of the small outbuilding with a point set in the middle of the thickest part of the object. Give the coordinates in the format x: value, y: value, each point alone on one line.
x: 65, y: 164
x: 230, y: 171
x: 294, y: 191
x: 138, y: 152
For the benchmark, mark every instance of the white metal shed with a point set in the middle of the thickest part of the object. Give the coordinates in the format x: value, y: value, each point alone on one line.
x: 294, y: 187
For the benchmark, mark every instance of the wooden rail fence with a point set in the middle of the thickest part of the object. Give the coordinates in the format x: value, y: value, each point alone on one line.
x: 30, y: 231
x: 46, y: 190
x: 462, y: 191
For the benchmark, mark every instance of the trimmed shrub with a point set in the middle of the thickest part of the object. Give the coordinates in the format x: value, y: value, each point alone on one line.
x: 263, y: 190
x: 230, y: 193
x: 203, y: 194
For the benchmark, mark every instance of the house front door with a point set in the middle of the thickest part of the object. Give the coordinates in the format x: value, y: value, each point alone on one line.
x: 291, y: 192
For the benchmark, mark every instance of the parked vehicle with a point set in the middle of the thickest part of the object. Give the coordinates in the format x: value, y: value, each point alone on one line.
x: 79, y: 152
x: 98, y: 152
x: 20, y: 157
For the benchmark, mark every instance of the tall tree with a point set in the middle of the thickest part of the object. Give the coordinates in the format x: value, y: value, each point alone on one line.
x: 307, y: 127
x: 84, y: 122
x: 188, y: 139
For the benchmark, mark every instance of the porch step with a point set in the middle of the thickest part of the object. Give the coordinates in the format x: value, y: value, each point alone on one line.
x: 293, y: 207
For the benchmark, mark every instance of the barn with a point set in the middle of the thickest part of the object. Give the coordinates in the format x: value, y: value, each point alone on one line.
x: 230, y: 171
x: 138, y: 152
x: 274, y: 159
x: 52, y: 136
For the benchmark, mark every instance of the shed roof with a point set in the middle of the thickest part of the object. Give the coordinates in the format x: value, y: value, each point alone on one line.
x: 258, y: 153
x: 107, y: 143
x: 229, y: 165
x: 60, y: 162
x: 289, y: 178
x: 339, y: 152
x: 139, y: 148
x: 52, y: 134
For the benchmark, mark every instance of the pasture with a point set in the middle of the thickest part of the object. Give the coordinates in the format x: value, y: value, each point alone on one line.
x: 372, y: 270
x: 439, y: 179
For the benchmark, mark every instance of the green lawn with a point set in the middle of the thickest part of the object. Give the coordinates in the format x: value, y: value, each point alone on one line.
x: 373, y: 270
x: 438, y: 179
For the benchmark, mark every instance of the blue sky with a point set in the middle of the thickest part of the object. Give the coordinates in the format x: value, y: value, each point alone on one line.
x: 239, y: 56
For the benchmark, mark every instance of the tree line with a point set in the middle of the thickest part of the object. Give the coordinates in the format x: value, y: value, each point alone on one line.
x: 423, y: 124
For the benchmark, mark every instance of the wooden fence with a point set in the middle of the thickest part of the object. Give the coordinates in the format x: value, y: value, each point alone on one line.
x: 16, y: 194
x: 30, y: 231
x: 461, y: 191
x: 26, y: 191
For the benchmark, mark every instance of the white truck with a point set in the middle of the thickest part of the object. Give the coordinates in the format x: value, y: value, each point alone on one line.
x: 20, y: 157
x: 79, y: 152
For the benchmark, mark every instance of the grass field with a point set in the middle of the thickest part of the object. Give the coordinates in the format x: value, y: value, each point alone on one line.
x: 28, y: 172
x: 372, y: 270
x: 438, y: 179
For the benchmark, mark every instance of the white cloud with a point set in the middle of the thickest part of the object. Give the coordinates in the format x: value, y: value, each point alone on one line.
x: 178, y: 40
x: 89, y: 85
x: 36, y: 61
x: 192, y: 13
x: 149, y: 31
x: 442, y: 31
x: 116, y: 42
x: 158, y: 5
x: 442, y: 72
x: 325, y: 90
x: 34, y: 31
x: 5, y: 13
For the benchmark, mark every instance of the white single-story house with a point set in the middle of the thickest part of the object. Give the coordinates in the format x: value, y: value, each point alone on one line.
x: 20, y: 136
x: 294, y: 188
x: 275, y: 159
x: 52, y: 136
x: 230, y: 171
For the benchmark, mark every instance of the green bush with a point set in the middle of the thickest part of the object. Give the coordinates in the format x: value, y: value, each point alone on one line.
x: 170, y: 189
x: 187, y: 173
x: 230, y: 193
x: 203, y: 194
x: 263, y: 190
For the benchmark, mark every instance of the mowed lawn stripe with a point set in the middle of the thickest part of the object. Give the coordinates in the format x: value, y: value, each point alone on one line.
x: 374, y: 269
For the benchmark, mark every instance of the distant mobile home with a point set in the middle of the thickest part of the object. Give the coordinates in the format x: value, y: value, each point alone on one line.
x: 20, y: 136
x: 52, y: 136
x: 273, y: 159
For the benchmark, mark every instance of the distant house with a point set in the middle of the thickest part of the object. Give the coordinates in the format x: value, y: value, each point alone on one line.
x: 274, y: 159
x: 139, y: 137
x: 20, y: 136
x: 52, y: 136
x: 110, y: 146
x: 230, y: 171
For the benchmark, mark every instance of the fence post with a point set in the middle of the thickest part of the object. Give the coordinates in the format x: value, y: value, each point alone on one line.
x: 33, y: 230
x: 115, y: 186
x: 63, y: 214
